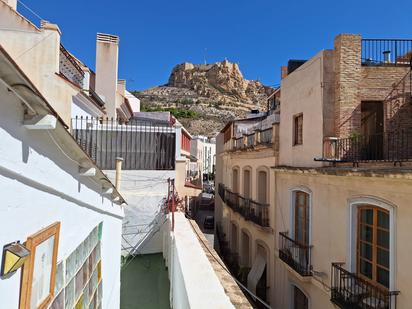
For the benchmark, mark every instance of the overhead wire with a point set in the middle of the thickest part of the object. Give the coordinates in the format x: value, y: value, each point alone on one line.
x: 30, y: 10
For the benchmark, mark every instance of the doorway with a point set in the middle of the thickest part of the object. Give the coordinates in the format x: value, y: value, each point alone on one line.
x: 372, y: 130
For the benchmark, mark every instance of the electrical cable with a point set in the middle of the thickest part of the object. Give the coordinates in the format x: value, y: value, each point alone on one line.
x: 19, y: 96
x: 34, y: 45
x: 61, y: 150
x: 30, y: 10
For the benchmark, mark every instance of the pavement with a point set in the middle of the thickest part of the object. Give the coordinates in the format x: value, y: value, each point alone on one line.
x: 200, y: 218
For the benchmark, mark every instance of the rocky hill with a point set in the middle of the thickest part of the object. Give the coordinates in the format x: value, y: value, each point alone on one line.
x: 206, y: 96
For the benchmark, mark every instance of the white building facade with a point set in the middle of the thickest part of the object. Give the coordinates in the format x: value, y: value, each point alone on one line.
x: 53, y: 195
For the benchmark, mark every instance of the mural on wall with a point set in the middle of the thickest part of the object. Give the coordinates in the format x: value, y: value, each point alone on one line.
x: 42, y: 272
x: 39, y: 272
x: 79, y: 277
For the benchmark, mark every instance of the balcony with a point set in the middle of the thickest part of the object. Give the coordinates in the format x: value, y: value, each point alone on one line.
x: 254, y: 139
x: 143, y: 145
x: 386, y: 52
x: 250, y: 140
x: 249, y: 209
x: 395, y: 147
x: 266, y: 136
x: 349, y: 291
x: 238, y: 143
x: 296, y: 255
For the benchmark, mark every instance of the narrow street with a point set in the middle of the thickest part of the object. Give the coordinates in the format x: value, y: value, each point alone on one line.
x: 206, y: 208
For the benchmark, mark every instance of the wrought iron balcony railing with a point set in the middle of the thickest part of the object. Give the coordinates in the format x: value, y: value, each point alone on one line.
x: 221, y: 191
x: 249, y: 209
x: 143, y: 145
x: 295, y: 254
x: 266, y: 136
x: 238, y: 143
x: 349, y: 291
x: 250, y: 140
x: 258, y: 213
x: 255, y: 138
x: 389, y: 146
x: 389, y: 52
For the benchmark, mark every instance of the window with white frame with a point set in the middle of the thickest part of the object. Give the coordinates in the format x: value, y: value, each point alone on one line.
x: 372, y: 236
x: 373, y: 249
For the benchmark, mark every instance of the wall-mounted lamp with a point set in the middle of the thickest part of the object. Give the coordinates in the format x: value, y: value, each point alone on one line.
x: 14, y: 256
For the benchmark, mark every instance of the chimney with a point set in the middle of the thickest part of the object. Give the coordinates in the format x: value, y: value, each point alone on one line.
x: 107, y: 54
x: 283, y: 71
x: 12, y: 4
x: 121, y: 87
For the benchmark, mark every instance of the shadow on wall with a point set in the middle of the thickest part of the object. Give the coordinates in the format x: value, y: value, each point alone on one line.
x: 11, y: 112
x: 393, y: 141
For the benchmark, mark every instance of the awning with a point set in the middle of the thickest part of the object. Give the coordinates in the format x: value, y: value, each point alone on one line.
x: 257, y: 270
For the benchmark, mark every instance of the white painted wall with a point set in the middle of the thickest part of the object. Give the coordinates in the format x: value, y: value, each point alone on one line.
x: 193, y: 282
x: 308, y: 91
x: 144, y: 191
x: 81, y: 106
x: 40, y: 186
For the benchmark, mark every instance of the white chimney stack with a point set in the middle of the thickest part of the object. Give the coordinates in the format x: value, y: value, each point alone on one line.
x: 107, y: 56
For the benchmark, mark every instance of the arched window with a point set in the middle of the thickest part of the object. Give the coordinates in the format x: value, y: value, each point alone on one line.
x: 372, y: 241
x: 262, y: 184
x: 246, y: 183
x: 373, y: 235
x: 235, y: 180
x: 234, y: 240
x: 300, y: 301
x: 301, y: 217
x: 245, y: 249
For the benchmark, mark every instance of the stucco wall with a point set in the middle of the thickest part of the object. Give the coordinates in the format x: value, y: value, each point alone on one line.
x: 253, y: 161
x: 193, y: 282
x: 40, y: 186
x: 307, y: 91
x: 37, y: 53
x: 330, y: 226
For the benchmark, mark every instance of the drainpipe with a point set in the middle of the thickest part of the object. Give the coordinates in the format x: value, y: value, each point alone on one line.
x: 119, y: 162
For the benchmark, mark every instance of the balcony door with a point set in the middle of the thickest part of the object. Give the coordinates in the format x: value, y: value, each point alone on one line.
x: 235, y: 180
x: 246, y: 184
x: 234, y: 243
x: 372, y: 130
x: 301, y: 218
x: 245, y: 249
x: 262, y: 185
x: 300, y: 301
x: 373, y: 245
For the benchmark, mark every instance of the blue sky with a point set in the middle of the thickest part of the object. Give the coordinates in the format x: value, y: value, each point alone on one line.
x: 261, y: 35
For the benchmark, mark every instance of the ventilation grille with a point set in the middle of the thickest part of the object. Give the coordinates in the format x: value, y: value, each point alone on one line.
x: 107, y: 38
